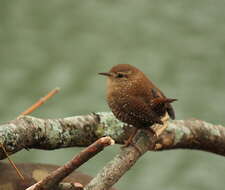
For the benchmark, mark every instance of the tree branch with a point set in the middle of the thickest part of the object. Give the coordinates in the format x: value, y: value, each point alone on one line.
x: 34, y: 173
x: 115, y: 169
x: 52, y: 180
x: 31, y: 132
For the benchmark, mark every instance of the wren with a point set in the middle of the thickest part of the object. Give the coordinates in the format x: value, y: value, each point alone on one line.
x: 135, y: 100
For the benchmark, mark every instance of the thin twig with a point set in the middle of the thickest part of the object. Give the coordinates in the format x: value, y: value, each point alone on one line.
x: 53, y: 179
x: 40, y: 102
x: 12, y: 163
x: 26, y: 112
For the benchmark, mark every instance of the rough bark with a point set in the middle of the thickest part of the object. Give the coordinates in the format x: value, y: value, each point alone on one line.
x: 31, y: 132
x: 53, y: 179
x: 122, y: 162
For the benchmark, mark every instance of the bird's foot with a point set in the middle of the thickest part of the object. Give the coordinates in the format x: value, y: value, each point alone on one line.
x: 127, y: 143
x: 129, y: 140
x: 131, y: 143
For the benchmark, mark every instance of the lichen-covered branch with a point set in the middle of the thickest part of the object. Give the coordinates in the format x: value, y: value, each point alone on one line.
x: 193, y: 134
x: 31, y: 132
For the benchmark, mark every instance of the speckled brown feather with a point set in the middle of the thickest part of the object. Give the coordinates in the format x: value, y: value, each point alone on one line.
x: 134, y: 99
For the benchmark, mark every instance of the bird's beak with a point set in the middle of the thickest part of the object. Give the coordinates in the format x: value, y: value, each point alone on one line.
x: 106, y: 74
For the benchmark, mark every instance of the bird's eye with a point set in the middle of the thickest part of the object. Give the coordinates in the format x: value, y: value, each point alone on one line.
x: 119, y: 75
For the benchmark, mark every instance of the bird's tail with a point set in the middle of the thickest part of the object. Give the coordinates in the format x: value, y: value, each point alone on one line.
x: 157, y: 101
x: 164, y: 102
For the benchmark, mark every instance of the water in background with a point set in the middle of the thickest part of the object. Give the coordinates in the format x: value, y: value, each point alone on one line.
x: 180, y: 44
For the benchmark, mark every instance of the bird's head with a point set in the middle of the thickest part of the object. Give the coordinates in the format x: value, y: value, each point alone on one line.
x: 122, y: 73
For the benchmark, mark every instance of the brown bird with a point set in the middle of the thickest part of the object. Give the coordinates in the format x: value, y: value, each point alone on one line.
x: 135, y: 100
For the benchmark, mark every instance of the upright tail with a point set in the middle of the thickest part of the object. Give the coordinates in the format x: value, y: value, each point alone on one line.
x: 157, y: 101
x: 164, y: 104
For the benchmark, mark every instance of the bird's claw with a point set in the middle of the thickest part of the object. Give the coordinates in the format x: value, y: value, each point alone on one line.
x: 128, y: 143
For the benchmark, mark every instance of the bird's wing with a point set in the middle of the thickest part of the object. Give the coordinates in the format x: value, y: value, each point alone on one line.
x: 138, y: 109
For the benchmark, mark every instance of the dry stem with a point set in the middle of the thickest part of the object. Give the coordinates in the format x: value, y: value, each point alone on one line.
x: 12, y: 163
x: 40, y: 102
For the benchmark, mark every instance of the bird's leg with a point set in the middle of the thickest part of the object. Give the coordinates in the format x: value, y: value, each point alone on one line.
x: 129, y: 141
x: 160, y: 128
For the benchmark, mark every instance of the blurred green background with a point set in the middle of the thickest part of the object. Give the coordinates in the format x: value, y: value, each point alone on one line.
x: 180, y: 44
